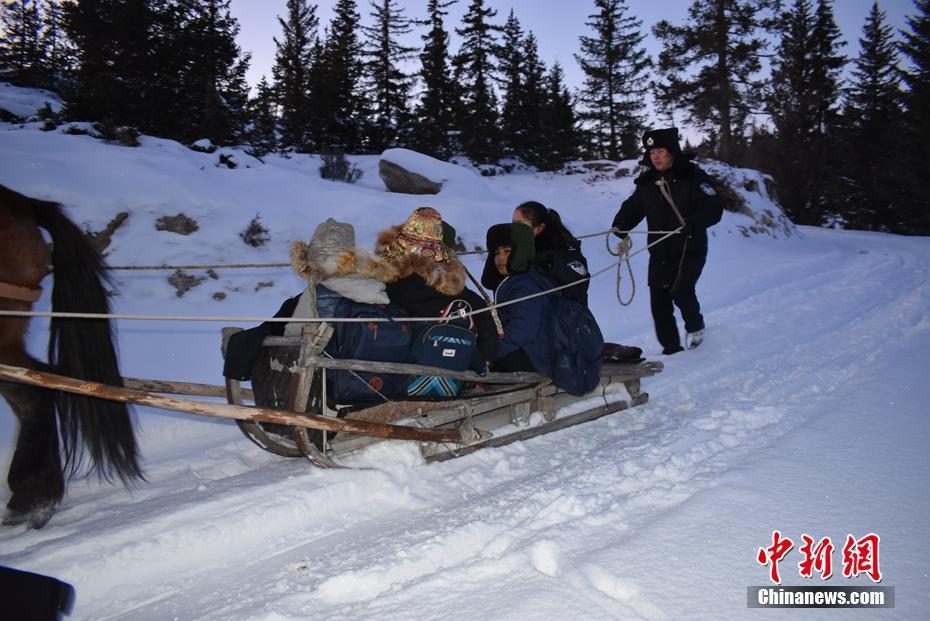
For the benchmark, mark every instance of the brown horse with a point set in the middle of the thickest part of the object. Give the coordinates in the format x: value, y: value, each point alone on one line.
x: 79, y: 348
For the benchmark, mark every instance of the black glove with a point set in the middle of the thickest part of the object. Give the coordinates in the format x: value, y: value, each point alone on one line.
x: 688, y: 229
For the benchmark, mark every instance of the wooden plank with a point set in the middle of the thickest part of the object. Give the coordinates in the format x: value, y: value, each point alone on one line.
x: 180, y: 388
x: 405, y: 368
x: 434, y: 453
x: 396, y: 410
x: 451, y: 413
x: 128, y: 395
x: 617, y: 372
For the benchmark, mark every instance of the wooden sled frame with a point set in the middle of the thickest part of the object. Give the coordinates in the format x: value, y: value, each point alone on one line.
x: 490, y: 417
x: 301, y: 423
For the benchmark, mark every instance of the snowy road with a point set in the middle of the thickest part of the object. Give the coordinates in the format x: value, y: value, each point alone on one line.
x: 804, y: 411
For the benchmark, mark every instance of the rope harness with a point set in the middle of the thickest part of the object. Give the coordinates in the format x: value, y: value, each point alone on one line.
x: 18, y: 292
x: 667, y: 195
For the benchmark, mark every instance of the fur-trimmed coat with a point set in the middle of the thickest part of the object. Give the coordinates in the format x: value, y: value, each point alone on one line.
x: 420, y: 285
x: 447, y: 277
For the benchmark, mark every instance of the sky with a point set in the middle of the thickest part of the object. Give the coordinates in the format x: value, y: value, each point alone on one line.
x: 803, y: 411
x: 557, y: 24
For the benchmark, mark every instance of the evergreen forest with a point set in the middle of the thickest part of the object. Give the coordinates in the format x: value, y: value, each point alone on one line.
x: 841, y: 126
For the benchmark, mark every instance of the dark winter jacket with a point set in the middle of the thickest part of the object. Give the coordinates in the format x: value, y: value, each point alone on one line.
x: 418, y: 299
x: 527, y: 324
x: 243, y: 347
x: 697, y: 200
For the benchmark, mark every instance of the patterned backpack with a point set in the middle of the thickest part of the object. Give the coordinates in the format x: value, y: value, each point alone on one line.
x: 449, y: 344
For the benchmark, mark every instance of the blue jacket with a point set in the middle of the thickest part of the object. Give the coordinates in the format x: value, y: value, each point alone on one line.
x: 527, y: 324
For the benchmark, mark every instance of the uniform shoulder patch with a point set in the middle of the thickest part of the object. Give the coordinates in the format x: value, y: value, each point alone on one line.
x: 578, y: 267
x: 708, y: 189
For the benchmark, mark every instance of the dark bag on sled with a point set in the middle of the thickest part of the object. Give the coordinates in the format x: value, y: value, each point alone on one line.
x: 577, y: 347
x: 376, y: 341
x: 450, y: 345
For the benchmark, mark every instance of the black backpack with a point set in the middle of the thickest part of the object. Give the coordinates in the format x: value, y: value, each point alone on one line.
x: 577, y: 347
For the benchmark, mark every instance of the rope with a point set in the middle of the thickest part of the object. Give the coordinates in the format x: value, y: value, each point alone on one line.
x: 623, y: 251
x: 253, y: 319
x: 206, y: 266
x: 487, y: 300
x: 667, y: 195
x: 220, y: 266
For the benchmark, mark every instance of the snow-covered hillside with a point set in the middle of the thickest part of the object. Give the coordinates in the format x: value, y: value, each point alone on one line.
x: 804, y: 411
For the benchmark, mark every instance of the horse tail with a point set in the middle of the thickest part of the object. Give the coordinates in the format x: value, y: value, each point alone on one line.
x: 84, y: 349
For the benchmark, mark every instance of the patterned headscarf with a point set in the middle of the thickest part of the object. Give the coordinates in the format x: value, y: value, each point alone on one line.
x: 420, y: 235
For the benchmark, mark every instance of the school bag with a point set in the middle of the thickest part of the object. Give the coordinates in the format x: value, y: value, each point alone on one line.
x: 376, y: 341
x: 449, y: 344
x: 577, y: 347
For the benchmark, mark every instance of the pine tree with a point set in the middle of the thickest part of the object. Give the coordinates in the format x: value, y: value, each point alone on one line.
x: 869, y: 187
x: 389, y: 86
x: 59, y: 56
x: 530, y: 141
x: 21, y: 52
x: 557, y: 124
x: 476, y: 112
x: 167, y: 67
x: 291, y: 72
x: 114, y: 42
x: 614, y: 63
x: 828, y: 65
x: 709, y: 64
x: 434, y: 111
x: 214, y: 78
x: 263, y: 131
x: 319, y: 96
x: 511, y: 65
x: 801, y: 100
x: 340, y: 101
x: 914, y: 216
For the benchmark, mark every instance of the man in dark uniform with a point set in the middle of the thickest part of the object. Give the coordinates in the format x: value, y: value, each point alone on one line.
x: 673, y: 193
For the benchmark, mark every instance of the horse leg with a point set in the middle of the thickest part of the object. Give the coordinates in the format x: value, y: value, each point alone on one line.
x: 35, y: 477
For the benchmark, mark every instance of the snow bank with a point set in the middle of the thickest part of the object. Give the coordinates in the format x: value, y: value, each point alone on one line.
x: 24, y: 102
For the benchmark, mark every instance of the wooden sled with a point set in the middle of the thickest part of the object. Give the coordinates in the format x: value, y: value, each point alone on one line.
x: 494, y: 410
x: 289, y: 414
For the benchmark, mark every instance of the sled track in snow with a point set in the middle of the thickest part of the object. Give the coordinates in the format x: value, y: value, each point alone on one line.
x: 323, y: 544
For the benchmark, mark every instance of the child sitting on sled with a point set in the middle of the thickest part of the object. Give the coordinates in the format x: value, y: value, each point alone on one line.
x: 549, y: 333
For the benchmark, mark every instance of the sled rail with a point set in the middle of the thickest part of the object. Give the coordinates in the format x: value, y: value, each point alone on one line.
x: 54, y: 381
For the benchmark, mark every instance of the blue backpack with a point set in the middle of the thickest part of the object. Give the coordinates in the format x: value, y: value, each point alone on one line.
x: 376, y: 341
x: 577, y: 347
x: 449, y: 345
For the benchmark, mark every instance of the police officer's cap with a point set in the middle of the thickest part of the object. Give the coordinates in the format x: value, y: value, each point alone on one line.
x: 666, y: 138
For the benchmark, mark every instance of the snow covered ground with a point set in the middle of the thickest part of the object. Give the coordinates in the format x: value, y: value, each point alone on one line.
x: 805, y: 411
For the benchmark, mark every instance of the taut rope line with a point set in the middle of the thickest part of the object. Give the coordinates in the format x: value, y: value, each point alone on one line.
x: 253, y: 319
x: 227, y: 266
